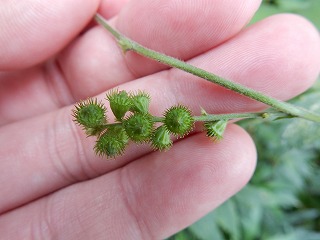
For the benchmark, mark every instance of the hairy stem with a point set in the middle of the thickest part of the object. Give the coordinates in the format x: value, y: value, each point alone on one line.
x: 233, y: 116
x: 129, y: 45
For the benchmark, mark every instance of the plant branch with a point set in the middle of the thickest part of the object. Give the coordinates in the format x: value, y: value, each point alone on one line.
x: 129, y: 45
x: 234, y: 116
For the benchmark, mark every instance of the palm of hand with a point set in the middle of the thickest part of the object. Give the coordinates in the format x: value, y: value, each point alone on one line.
x: 52, y: 184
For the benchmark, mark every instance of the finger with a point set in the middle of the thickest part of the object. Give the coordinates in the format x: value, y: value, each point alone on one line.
x: 31, y: 92
x: 257, y: 58
x: 150, y: 198
x: 48, y: 153
x: 94, y: 63
x: 268, y: 61
x: 110, y: 9
x: 173, y: 27
x: 61, y: 155
x: 32, y: 31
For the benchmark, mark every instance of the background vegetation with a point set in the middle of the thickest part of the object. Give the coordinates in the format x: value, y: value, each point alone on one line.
x: 282, y: 201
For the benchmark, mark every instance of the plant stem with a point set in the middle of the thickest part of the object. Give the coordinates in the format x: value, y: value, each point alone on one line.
x: 218, y: 117
x: 128, y: 45
x: 233, y: 116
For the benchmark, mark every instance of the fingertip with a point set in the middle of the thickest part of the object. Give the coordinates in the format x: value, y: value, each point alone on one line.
x: 231, y: 160
x: 190, y: 180
x: 111, y: 8
x: 175, y: 28
x: 239, y: 144
x: 293, y: 45
x: 310, y: 39
x: 32, y: 31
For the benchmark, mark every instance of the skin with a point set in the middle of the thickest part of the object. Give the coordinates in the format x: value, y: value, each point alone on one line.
x: 52, y: 184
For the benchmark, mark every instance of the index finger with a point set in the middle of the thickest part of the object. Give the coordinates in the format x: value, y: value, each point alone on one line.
x: 32, y: 31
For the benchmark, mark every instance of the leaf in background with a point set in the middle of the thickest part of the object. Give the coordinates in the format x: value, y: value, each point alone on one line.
x: 280, y: 195
x: 225, y: 220
x: 297, y: 234
x: 250, y: 209
x: 307, y: 8
x: 183, y: 235
x: 293, y: 5
x: 207, y: 228
x: 228, y: 219
x: 304, y: 215
x: 304, y: 134
x: 294, y: 169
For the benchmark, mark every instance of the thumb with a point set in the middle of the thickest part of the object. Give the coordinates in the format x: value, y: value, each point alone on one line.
x: 33, y: 30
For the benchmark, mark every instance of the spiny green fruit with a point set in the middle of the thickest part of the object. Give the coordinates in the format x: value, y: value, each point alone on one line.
x: 140, y: 102
x: 120, y: 103
x: 139, y: 127
x: 112, y: 142
x: 160, y: 139
x: 215, y: 129
x: 91, y: 115
x: 178, y: 120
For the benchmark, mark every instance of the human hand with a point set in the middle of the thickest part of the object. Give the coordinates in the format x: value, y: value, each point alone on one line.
x: 52, y: 184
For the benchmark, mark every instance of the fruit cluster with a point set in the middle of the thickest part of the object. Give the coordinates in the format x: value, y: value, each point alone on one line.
x: 132, y: 122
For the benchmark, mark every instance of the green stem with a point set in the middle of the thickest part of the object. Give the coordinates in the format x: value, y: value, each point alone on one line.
x: 127, y: 44
x: 228, y: 116
x: 233, y: 116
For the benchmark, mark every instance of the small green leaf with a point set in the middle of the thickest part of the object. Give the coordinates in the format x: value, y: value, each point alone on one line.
x: 301, y: 133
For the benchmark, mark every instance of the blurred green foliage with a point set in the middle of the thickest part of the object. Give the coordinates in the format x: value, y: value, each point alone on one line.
x: 282, y: 201
x: 310, y: 9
